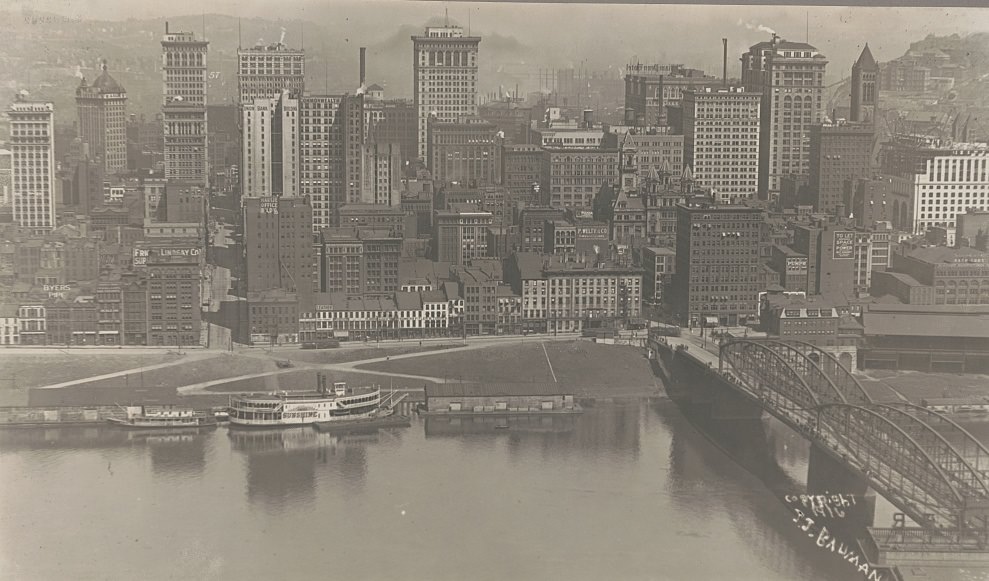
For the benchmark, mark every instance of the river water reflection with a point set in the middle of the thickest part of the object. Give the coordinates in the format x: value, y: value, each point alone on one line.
x: 624, y: 491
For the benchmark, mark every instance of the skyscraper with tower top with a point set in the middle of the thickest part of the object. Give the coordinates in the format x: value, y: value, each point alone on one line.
x: 184, y: 106
x: 444, y: 76
x: 102, y: 108
x: 790, y: 76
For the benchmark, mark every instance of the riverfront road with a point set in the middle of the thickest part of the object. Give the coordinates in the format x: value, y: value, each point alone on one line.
x: 355, y: 366
x: 470, y: 340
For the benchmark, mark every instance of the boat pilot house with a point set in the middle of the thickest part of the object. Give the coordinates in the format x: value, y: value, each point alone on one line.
x: 498, y: 398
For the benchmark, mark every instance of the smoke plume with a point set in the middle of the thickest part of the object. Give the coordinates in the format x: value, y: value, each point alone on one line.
x: 756, y: 26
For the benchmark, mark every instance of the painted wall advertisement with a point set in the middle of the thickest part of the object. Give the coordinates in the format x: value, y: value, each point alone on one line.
x: 796, y: 264
x: 141, y: 255
x: 268, y: 205
x: 844, y: 245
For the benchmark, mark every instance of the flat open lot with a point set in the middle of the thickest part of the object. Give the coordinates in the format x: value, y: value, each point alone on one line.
x: 31, y: 370
x: 22, y: 374
x: 191, y: 371
x: 305, y: 379
x: 915, y: 385
x: 19, y: 372
x: 585, y: 368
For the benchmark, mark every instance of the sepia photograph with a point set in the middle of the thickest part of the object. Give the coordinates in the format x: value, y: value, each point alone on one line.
x: 409, y: 290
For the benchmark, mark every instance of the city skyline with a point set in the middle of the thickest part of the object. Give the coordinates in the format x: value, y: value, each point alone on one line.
x: 839, y: 32
x: 520, y: 291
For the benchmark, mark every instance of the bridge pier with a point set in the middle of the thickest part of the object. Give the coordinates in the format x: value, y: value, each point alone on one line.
x: 730, y: 405
x: 826, y: 474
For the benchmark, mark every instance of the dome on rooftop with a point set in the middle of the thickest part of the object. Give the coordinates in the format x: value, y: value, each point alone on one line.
x: 107, y: 84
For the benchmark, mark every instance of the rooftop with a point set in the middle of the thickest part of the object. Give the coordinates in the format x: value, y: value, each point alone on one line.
x: 452, y: 290
x: 424, y: 270
x: 343, y: 302
x: 369, y: 209
x: 941, y: 254
x: 495, y: 389
x: 271, y: 295
x: 903, y: 278
x: 433, y: 296
x: 408, y: 301
x: 972, y: 324
x: 661, y: 250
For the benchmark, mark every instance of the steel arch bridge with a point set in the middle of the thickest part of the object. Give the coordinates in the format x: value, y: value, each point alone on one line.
x: 923, y: 462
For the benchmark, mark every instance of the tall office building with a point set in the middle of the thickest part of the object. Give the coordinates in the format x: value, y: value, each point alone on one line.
x: 278, y: 245
x: 830, y: 251
x: 721, y: 141
x: 382, y: 174
x: 335, y: 162
x: 865, y: 88
x: 651, y: 89
x: 317, y: 114
x: 102, y: 109
x: 840, y: 152
x: 394, y: 121
x: 270, y: 142
x: 717, y: 264
x: 349, y: 132
x: 32, y: 146
x: 184, y: 107
x: 467, y: 152
x: 444, y: 77
x: 790, y: 76
x: 6, y: 176
x: 264, y: 71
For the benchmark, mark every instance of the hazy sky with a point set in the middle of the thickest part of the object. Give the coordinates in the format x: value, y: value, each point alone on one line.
x: 605, y: 35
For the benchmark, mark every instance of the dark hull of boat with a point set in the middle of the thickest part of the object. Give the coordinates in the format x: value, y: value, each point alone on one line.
x: 345, y: 426
x: 172, y: 425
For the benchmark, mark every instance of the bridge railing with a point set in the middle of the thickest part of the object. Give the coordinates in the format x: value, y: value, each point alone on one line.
x: 929, y: 539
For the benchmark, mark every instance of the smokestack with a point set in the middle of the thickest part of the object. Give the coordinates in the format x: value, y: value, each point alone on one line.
x: 588, y: 118
x: 363, y: 60
x: 724, y: 66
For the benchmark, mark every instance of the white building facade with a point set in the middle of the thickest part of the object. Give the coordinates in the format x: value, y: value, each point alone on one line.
x: 721, y: 141
x: 950, y: 184
x: 270, y: 147
x: 32, y: 145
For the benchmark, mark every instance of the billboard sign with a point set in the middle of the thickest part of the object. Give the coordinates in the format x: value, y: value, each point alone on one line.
x: 268, y: 205
x: 844, y: 245
x: 796, y: 264
x: 141, y: 255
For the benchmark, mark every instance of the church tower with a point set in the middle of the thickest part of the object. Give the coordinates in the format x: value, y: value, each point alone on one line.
x: 865, y: 88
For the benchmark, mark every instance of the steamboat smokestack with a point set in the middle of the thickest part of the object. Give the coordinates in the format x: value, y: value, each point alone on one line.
x: 363, y: 60
x: 724, y: 64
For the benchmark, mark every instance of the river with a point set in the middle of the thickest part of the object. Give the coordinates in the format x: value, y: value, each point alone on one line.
x: 632, y: 491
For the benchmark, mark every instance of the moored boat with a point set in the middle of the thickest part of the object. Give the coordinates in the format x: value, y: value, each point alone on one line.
x: 338, y: 403
x: 385, y: 418
x: 163, y: 416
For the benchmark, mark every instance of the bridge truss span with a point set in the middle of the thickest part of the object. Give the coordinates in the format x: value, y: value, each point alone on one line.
x: 922, y: 461
x: 841, y: 378
x: 778, y: 376
x: 893, y: 461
